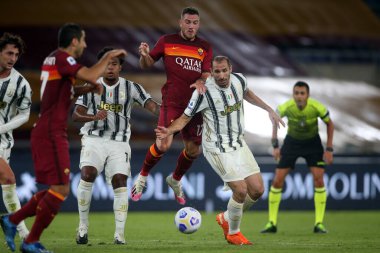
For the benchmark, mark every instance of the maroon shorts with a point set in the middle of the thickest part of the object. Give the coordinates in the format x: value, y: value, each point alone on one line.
x: 191, y: 132
x: 51, y: 159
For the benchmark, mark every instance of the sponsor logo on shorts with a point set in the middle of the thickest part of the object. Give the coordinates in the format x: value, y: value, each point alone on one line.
x: 66, y: 171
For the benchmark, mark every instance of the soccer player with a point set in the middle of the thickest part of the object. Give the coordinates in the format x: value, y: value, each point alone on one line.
x: 15, y: 101
x: 302, y: 140
x: 223, y: 141
x: 49, y: 143
x: 187, y: 60
x: 105, y: 142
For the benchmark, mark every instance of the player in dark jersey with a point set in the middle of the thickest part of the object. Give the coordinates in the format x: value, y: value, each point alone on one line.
x: 302, y: 140
x: 187, y: 60
x: 50, y: 146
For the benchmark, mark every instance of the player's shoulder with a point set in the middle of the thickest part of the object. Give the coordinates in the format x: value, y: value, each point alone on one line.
x: 316, y: 104
x: 18, y: 77
x: 63, y: 57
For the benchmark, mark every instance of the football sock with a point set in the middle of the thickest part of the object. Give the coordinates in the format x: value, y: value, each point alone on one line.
x: 274, y: 200
x: 320, y: 198
x: 151, y: 158
x: 184, y: 162
x: 12, y: 202
x: 47, y: 208
x: 235, y: 212
x: 248, y: 202
x: 29, y: 209
x: 84, y: 194
x: 120, y: 208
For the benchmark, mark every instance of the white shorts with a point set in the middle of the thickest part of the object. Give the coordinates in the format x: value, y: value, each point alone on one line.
x: 5, y: 154
x: 233, y: 166
x: 104, y: 154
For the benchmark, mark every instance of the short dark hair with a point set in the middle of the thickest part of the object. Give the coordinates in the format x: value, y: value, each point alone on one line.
x: 9, y: 38
x: 190, y: 11
x: 219, y: 59
x: 302, y: 84
x: 105, y: 50
x: 67, y: 33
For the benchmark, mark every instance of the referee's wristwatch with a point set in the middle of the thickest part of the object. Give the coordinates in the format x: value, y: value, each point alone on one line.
x: 330, y: 149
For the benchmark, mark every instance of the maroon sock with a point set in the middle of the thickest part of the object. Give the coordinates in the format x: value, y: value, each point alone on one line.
x: 27, y: 210
x: 152, y: 157
x: 184, y: 163
x: 47, y: 208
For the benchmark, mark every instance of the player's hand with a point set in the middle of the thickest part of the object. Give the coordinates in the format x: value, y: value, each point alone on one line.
x: 161, y: 132
x: 121, y: 53
x: 100, y: 115
x: 276, y: 154
x: 144, y: 49
x: 276, y: 120
x: 328, y: 157
x: 200, y: 86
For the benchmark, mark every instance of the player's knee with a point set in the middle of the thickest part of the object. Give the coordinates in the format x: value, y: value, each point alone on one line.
x: 119, y: 180
x: 318, y: 182
x: 240, y: 193
x: 163, y: 147
x: 278, y: 182
x: 193, y: 152
x: 88, y: 174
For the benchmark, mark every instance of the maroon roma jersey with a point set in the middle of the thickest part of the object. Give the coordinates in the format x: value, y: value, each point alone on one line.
x: 184, y: 62
x: 57, y: 77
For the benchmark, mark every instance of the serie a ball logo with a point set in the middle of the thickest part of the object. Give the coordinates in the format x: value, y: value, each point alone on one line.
x: 188, y: 220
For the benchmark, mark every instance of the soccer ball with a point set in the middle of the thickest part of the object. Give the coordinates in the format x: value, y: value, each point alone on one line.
x: 188, y: 220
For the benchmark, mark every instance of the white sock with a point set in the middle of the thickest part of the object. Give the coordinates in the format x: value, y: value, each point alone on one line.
x: 120, y: 208
x: 248, y: 202
x: 235, y: 212
x: 12, y: 204
x: 84, y: 195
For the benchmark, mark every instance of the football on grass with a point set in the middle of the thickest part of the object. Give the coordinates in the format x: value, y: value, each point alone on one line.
x: 188, y: 220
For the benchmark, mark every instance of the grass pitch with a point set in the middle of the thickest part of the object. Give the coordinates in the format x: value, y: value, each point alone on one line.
x: 349, y: 231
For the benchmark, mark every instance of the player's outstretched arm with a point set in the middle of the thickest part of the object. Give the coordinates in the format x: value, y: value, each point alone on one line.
x: 80, y: 115
x: 175, y: 126
x: 251, y: 97
x: 200, y: 83
x: 153, y: 107
x: 146, y: 61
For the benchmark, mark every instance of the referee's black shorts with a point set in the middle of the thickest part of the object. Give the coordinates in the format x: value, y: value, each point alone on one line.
x: 310, y: 149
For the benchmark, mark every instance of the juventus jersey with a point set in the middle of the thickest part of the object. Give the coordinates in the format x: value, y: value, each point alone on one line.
x: 223, y: 114
x: 15, y: 95
x: 117, y: 100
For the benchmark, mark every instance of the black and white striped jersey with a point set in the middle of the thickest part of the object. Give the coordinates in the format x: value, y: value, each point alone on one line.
x: 117, y: 100
x: 223, y: 114
x: 15, y: 96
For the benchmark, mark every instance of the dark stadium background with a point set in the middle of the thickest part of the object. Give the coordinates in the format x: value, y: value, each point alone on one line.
x: 333, y: 44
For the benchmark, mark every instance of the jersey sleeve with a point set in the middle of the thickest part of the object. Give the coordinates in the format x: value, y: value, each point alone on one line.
x: 323, y: 113
x: 24, y: 100
x: 196, y: 104
x: 139, y: 95
x: 84, y: 100
x: 206, y: 66
x: 158, y: 50
x: 67, y: 66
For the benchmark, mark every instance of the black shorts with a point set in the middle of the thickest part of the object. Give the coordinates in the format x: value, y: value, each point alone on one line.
x: 310, y: 149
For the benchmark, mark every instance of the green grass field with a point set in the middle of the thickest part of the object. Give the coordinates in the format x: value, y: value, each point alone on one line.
x: 352, y: 231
